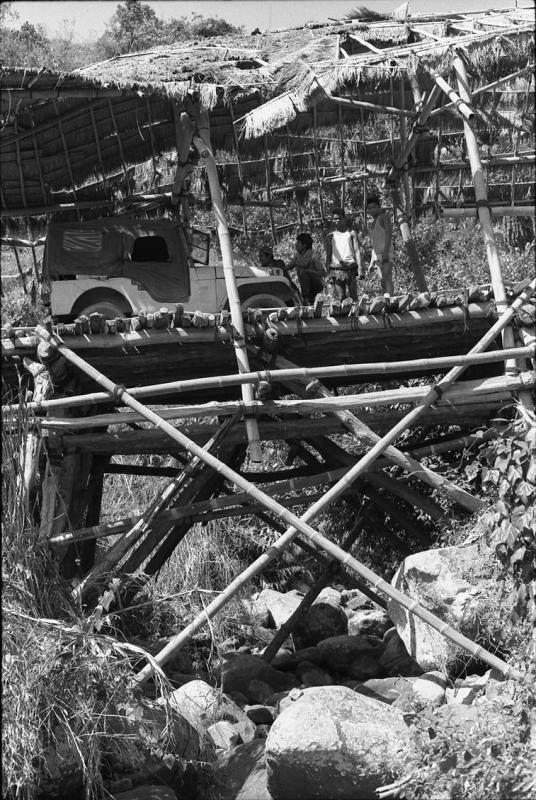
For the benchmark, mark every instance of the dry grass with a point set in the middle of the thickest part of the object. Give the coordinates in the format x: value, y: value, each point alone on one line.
x: 63, y: 685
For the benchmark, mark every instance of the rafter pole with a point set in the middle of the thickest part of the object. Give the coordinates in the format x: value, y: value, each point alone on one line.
x: 484, y: 217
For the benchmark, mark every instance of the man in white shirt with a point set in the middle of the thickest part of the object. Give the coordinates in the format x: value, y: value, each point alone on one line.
x: 381, y: 238
x: 343, y: 257
x: 309, y: 268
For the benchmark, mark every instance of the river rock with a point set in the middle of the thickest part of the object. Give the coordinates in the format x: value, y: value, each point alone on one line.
x: 466, y: 691
x: 241, y: 773
x: 241, y: 670
x: 387, y: 690
x: 329, y: 595
x: 259, y: 714
x: 320, y: 621
x: 310, y: 675
x: 278, y: 606
x: 395, y: 659
x: 203, y: 705
x: 430, y: 688
x: 333, y: 743
x: 369, y: 621
x: 339, y: 652
x: 451, y: 583
x: 224, y: 735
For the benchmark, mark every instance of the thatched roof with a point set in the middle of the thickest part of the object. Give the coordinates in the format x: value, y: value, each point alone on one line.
x: 69, y: 137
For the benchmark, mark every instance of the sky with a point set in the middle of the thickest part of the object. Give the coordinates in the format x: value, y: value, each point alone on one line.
x: 89, y: 17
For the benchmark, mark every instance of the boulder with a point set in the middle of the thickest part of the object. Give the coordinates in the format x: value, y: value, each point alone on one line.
x: 430, y: 688
x: 238, y: 673
x: 223, y: 735
x: 258, y: 691
x: 333, y: 743
x: 369, y: 621
x: 310, y: 675
x: 395, y: 659
x: 241, y: 773
x: 203, y: 705
x: 466, y: 691
x: 259, y: 714
x: 276, y: 607
x: 450, y: 582
x: 387, y: 690
x: 320, y: 621
x: 339, y: 652
x: 329, y: 595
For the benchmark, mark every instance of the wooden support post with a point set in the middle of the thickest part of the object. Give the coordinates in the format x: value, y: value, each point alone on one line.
x: 342, y: 147
x: 329, y: 571
x: 203, y: 145
x: 154, y: 159
x: 20, y: 270
x: 484, y: 217
x: 296, y: 524
x: 119, y: 144
x: 292, y: 175
x: 184, y: 132
x: 33, y: 441
x: 268, y: 178
x: 97, y: 145
x: 317, y: 165
x: 408, y: 210
x: 67, y: 157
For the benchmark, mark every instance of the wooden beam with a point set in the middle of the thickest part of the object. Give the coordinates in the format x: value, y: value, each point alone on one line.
x: 375, y: 107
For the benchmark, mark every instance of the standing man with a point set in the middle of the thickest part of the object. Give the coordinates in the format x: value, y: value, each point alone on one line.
x: 343, y: 257
x: 381, y: 237
x: 309, y: 268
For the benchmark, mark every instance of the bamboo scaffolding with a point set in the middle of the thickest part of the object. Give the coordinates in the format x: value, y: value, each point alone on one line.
x: 203, y: 145
x: 276, y: 376
x: 485, y: 88
x: 115, y: 553
x: 95, y: 531
x: 357, y: 427
x: 499, y: 387
x: 436, y: 392
x: 295, y: 525
x: 289, y: 626
x: 457, y: 103
x: 484, y: 216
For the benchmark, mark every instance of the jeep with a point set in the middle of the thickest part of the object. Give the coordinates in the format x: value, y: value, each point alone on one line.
x: 119, y: 266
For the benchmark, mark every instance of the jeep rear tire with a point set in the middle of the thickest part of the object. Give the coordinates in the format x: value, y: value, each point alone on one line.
x: 107, y: 308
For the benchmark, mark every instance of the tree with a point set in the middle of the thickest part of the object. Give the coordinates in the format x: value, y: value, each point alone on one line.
x: 26, y: 47
x: 211, y: 26
x: 134, y: 26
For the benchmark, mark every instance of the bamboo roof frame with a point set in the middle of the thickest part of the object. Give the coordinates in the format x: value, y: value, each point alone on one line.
x: 136, y: 88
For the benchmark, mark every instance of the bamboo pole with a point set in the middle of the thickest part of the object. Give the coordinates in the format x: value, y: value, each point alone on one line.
x: 484, y: 216
x: 403, y: 136
x: 316, y: 163
x: 277, y: 376
x: 495, y: 211
x: 268, y: 178
x: 203, y: 145
x: 499, y: 387
x: 460, y: 105
x: 419, y: 471
x: 295, y: 524
x: 20, y: 270
x: 486, y: 88
x: 119, y: 144
x: 341, y: 146
x: 378, y: 109
x: 299, y: 613
x: 67, y: 156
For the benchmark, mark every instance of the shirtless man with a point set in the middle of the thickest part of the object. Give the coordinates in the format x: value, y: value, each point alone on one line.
x: 343, y: 257
x: 381, y: 237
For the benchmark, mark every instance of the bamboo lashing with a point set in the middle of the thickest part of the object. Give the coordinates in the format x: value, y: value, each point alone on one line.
x: 498, y: 387
x: 278, y: 375
x: 484, y: 216
x: 295, y: 525
x: 202, y: 142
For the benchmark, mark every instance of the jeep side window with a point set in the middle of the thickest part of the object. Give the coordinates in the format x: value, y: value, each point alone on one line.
x: 150, y: 248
